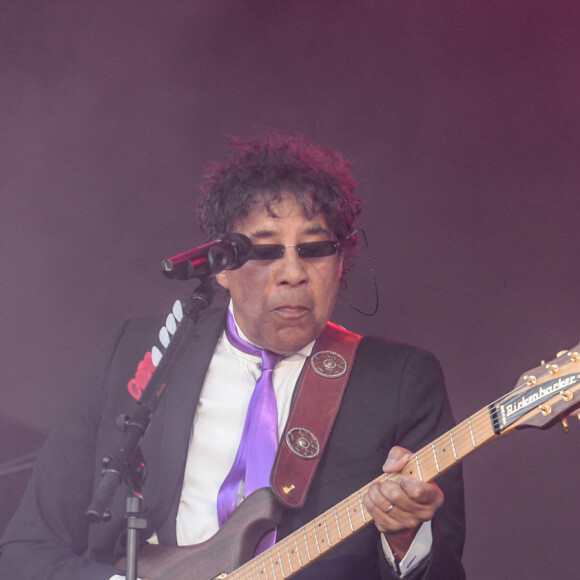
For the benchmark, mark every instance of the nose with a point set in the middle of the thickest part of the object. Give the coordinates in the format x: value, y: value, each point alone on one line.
x: 291, y: 268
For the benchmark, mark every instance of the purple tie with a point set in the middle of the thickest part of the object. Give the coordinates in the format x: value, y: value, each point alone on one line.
x: 259, y: 442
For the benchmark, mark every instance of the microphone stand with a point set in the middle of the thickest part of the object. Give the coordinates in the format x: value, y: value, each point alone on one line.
x: 128, y: 464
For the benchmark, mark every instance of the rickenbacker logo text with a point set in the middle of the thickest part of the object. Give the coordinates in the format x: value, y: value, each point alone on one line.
x: 541, y: 393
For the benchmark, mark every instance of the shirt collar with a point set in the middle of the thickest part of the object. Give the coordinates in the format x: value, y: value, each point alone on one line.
x: 303, y: 353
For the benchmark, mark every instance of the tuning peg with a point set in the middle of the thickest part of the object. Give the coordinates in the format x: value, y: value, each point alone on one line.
x: 565, y: 425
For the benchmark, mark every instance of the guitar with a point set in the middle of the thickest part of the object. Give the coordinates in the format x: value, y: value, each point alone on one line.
x: 542, y: 396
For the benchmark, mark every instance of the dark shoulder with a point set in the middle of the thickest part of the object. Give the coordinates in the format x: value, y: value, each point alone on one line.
x: 379, y: 357
x: 378, y: 348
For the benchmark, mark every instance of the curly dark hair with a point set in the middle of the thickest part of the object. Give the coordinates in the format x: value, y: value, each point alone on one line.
x: 259, y: 172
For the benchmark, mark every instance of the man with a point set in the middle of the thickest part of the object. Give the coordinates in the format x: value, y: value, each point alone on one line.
x: 296, y: 204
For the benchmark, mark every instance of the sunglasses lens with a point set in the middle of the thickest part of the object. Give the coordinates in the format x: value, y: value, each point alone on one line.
x: 316, y: 249
x: 266, y: 252
x: 307, y: 250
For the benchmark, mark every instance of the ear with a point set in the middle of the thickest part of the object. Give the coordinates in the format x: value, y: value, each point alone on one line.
x: 223, y: 280
x: 340, y: 266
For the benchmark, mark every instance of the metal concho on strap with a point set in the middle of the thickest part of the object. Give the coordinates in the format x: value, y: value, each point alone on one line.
x: 313, y: 413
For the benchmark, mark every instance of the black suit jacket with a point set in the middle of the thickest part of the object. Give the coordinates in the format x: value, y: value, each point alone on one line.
x: 395, y: 396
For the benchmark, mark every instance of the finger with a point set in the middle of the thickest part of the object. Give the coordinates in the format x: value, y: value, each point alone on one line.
x: 413, y: 505
x: 395, y: 495
x: 426, y: 494
x: 392, y: 519
x: 381, y: 510
x: 378, y: 497
x: 389, y: 500
x: 396, y: 459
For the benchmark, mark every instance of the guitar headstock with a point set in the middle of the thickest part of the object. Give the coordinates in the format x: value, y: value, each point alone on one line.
x: 542, y: 396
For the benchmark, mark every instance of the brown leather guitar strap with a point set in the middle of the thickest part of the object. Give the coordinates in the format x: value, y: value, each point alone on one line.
x: 313, y: 413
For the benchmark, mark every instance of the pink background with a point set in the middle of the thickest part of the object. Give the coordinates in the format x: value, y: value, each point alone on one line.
x: 462, y: 120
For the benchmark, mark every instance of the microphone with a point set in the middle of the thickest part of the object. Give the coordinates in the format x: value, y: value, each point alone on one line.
x: 229, y: 253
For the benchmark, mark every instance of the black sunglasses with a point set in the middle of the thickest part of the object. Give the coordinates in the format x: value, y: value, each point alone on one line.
x: 305, y: 250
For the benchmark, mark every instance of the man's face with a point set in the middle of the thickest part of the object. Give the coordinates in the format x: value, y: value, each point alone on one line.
x: 284, y: 304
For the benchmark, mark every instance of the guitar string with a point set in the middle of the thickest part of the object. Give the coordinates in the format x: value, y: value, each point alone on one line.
x: 463, y: 446
x: 342, y: 510
x: 477, y: 431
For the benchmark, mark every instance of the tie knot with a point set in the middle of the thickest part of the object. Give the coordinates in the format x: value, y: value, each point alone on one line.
x: 270, y: 359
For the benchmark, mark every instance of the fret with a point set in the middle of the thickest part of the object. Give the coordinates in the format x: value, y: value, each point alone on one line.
x: 240, y: 572
x: 306, y: 544
x: 435, y: 458
x: 348, y: 515
x: 445, y: 455
x: 261, y: 568
x: 362, y: 507
x: 316, y: 537
x: 298, y: 550
x: 251, y: 572
x: 289, y: 558
x: 269, y: 552
x: 471, y: 432
x: 250, y: 567
x: 418, y: 467
x: 279, y: 562
x: 337, y: 523
x: 453, y: 445
x: 326, y: 529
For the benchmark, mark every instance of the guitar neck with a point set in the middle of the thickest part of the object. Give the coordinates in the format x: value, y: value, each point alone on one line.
x: 450, y: 448
x: 335, y: 525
